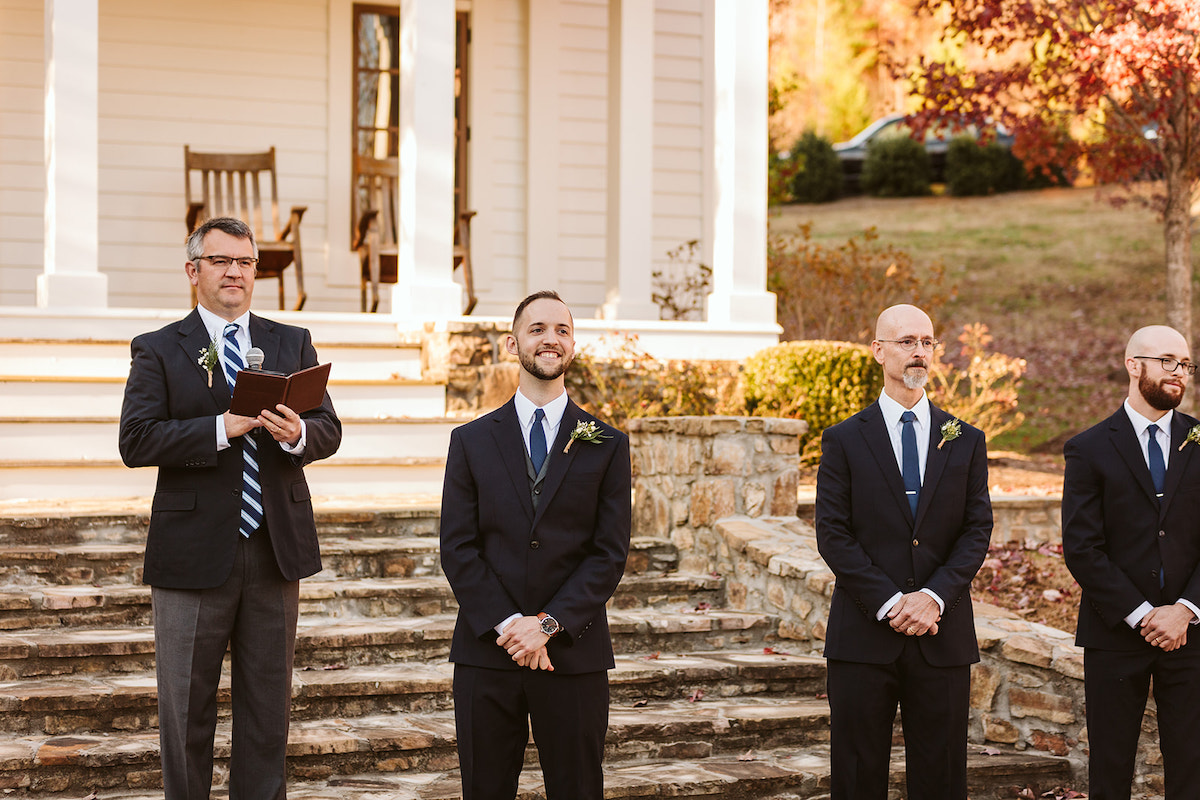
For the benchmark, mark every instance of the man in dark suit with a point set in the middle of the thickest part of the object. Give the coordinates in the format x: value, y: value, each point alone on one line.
x: 1131, y: 536
x: 903, y: 520
x: 231, y: 526
x: 534, y: 541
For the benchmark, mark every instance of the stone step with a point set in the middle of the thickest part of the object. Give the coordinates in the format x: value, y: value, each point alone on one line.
x: 322, y: 642
x: 414, y: 760
x: 124, y: 605
x: 124, y: 703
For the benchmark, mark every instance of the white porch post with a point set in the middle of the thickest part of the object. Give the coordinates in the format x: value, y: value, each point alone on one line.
x: 739, y: 80
x: 630, y: 160
x: 426, y: 289
x: 71, y: 267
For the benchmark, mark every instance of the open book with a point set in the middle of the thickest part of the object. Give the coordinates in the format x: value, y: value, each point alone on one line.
x: 258, y: 389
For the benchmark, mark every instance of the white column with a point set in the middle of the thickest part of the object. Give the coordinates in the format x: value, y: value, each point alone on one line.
x: 739, y: 80
x: 630, y: 160
x: 426, y: 289
x: 542, y: 143
x: 71, y: 267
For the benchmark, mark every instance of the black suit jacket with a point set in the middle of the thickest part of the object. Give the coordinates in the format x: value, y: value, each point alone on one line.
x: 1118, y: 537
x: 867, y: 535
x: 502, y: 557
x: 168, y: 421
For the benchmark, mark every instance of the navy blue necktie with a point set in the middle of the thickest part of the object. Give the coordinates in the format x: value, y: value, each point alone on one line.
x: 1158, y: 465
x: 910, y: 464
x: 252, y: 510
x: 537, y: 441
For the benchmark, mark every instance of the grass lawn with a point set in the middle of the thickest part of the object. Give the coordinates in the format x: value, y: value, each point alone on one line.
x: 1060, y: 277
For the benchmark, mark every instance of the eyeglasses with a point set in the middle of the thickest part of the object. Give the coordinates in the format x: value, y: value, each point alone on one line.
x: 223, y: 262
x: 1171, y: 364
x: 909, y: 343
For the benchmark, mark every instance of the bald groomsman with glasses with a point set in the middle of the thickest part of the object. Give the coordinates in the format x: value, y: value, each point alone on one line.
x: 903, y: 519
x: 1131, y: 537
x: 231, y: 526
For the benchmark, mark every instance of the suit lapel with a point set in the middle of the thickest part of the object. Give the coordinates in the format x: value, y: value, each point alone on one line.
x: 1125, y: 442
x: 1178, y: 459
x: 879, y: 443
x: 194, y: 339
x: 935, y: 460
x: 263, y: 336
x: 559, y: 461
x: 506, y: 431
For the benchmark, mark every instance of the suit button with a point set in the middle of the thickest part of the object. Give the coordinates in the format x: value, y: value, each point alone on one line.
x: 535, y: 544
x: 537, y: 490
x: 910, y: 582
x: 1153, y: 573
x: 235, y: 491
x: 916, y: 543
x: 1162, y: 533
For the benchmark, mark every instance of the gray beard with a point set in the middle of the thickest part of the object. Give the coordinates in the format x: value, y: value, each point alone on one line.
x: 914, y: 379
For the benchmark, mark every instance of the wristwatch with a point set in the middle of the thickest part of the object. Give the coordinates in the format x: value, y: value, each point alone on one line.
x: 550, y: 625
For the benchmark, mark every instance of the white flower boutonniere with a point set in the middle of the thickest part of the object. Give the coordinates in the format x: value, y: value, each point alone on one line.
x: 1193, y: 436
x: 951, y: 430
x: 208, y: 359
x: 585, y: 431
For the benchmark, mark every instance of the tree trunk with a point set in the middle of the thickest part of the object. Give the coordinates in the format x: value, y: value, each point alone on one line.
x: 1177, y: 233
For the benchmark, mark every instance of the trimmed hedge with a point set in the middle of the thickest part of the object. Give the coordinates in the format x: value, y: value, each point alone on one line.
x: 981, y: 169
x: 818, y: 173
x: 896, y: 166
x: 821, y: 382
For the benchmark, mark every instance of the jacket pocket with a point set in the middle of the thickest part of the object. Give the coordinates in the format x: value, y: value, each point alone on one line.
x: 174, y: 501
x: 300, y: 492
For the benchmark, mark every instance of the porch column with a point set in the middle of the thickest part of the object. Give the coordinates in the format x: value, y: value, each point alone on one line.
x: 426, y: 289
x: 630, y: 160
x: 71, y: 267
x: 739, y: 80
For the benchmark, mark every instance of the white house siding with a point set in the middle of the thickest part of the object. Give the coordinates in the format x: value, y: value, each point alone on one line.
x: 22, y: 175
x: 499, y: 110
x: 680, y: 112
x: 224, y: 75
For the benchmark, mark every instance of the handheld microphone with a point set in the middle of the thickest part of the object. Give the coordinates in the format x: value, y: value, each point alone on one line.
x: 254, y: 358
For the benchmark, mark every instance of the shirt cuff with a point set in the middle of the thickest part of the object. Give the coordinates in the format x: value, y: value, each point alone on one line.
x: 500, y: 628
x: 298, y: 448
x: 1191, y: 607
x: 222, y: 436
x: 936, y: 599
x: 886, y: 607
x: 1135, y: 618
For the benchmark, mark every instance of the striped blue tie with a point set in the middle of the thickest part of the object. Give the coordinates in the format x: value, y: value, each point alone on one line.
x: 252, y: 510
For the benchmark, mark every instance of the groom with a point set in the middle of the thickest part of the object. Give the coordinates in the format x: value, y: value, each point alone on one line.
x: 534, y: 534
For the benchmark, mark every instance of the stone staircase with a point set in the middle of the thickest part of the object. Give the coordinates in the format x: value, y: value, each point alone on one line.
x: 61, y: 390
x: 704, y: 704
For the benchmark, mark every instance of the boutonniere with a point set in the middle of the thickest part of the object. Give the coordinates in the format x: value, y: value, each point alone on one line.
x: 208, y: 359
x: 951, y: 430
x: 587, y: 432
x: 1193, y: 436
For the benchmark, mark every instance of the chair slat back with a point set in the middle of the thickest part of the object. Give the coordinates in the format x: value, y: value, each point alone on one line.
x: 377, y: 190
x: 230, y: 186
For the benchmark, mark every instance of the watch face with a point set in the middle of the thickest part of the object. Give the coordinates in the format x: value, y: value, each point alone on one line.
x: 550, y: 626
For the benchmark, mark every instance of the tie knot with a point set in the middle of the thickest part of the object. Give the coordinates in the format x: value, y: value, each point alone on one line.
x: 538, y: 415
x: 231, y: 331
x: 1152, y: 430
x: 908, y: 416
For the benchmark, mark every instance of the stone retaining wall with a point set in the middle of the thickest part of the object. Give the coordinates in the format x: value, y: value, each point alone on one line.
x: 719, y: 486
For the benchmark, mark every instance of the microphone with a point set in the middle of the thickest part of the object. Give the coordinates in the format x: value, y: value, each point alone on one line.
x: 254, y: 358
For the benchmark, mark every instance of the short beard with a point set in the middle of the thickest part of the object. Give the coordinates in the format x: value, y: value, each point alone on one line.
x: 914, y: 379
x: 1154, y: 394
x: 529, y: 364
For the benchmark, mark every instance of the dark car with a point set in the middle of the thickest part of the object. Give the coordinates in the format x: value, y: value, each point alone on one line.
x: 936, y: 139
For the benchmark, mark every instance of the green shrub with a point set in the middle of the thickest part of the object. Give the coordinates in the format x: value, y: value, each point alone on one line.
x: 821, y: 382
x: 781, y: 168
x: 974, y: 169
x: 896, y: 166
x: 817, y: 176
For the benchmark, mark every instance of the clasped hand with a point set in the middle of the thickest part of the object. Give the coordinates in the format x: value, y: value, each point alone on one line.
x: 283, y: 427
x: 524, y: 641
x: 1166, y: 627
x: 915, y: 614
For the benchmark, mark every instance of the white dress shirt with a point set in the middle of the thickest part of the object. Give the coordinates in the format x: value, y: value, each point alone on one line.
x: 891, y: 419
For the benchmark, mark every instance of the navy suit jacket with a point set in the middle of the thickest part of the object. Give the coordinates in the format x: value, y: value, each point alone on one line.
x: 168, y: 421
x: 566, y: 558
x: 868, y: 536
x: 1118, y: 537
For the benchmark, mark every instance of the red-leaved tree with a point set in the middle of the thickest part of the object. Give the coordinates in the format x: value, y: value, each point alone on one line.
x: 1122, y: 77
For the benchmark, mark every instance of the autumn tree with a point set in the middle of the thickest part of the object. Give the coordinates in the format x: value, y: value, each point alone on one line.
x: 1123, y: 76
